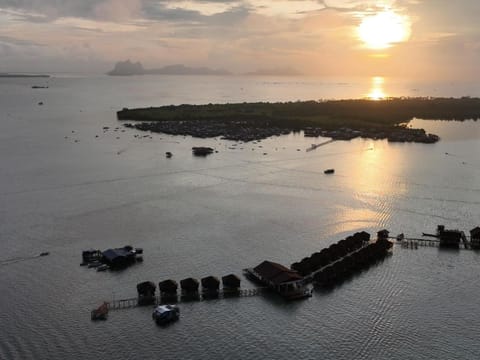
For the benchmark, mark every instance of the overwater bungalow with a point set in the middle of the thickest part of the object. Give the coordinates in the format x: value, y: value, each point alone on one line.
x: 146, y: 293
x: 362, y: 236
x: 168, y: 287
x: 288, y: 283
x: 189, y: 285
x: 450, y: 238
x: 475, y: 238
x: 383, y: 234
x: 210, y: 284
x: 231, y: 282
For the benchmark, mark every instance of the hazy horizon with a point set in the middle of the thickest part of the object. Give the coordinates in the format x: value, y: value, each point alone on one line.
x: 393, y: 38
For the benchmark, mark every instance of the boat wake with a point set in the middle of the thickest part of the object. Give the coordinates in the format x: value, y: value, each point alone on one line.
x: 15, y: 260
x: 314, y: 146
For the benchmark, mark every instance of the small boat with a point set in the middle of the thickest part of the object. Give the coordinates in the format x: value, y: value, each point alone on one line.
x: 164, y: 314
x: 100, y: 313
x: 202, y: 151
x: 329, y: 171
x: 45, y: 253
x: 103, y: 267
x: 313, y: 147
x: 94, y: 264
x: 168, y: 154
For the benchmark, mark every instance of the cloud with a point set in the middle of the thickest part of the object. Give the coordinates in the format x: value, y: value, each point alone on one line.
x: 242, y: 35
x: 50, y: 10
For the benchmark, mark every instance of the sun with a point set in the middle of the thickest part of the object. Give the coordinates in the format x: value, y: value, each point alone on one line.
x: 384, y: 29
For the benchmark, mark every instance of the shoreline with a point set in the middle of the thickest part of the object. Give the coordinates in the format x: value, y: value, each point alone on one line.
x: 336, y: 119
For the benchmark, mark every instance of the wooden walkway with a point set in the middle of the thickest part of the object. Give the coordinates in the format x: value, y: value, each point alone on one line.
x: 309, y: 278
x: 415, y: 243
x: 159, y: 299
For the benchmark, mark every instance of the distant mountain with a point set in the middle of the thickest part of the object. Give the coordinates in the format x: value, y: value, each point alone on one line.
x: 7, y: 75
x: 180, y: 69
x: 126, y: 68
x: 287, y: 71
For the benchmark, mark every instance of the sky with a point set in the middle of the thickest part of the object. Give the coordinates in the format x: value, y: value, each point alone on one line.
x: 430, y: 39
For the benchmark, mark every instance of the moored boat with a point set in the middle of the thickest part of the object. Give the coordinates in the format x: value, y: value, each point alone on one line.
x: 100, y: 313
x: 164, y: 314
x: 103, y: 267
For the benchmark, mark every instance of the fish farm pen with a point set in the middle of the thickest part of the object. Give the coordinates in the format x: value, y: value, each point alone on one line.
x: 327, y: 267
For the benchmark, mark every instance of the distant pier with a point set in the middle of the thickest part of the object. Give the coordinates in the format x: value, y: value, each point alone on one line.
x: 442, y: 238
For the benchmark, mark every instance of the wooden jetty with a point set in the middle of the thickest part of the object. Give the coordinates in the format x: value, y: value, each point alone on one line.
x: 133, y: 302
x: 415, y: 243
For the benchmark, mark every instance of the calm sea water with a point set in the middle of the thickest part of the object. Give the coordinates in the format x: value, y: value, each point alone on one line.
x: 63, y: 190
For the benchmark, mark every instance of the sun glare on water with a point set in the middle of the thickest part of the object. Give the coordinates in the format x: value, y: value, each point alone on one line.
x: 384, y: 29
x: 376, y: 90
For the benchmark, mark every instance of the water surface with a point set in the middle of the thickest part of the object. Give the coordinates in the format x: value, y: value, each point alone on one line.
x: 63, y: 190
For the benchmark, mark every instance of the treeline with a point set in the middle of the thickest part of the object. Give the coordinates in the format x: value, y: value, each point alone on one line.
x: 329, y: 114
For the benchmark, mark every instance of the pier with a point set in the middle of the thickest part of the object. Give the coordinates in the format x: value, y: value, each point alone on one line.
x: 159, y: 299
x: 324, y: 268
x: 415, y: 243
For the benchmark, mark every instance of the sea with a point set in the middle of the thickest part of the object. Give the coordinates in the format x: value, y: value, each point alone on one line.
x: 67, y: 184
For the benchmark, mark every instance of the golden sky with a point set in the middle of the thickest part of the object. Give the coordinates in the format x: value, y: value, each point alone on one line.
x: 402, y: 38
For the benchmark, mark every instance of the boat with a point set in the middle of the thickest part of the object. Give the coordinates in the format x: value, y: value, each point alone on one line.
x: 103, y: 267
x: 202, y: 151
x: 45, y: 253
x: 100, y: 313
x: 313, y: 147
x: 168, y: 154
x: 94, y: 264
x: 164, y: 314
x: 329, y: 171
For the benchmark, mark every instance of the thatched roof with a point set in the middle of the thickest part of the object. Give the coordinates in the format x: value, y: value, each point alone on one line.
x: 146, y: 287
x: 189, y: 284
x: 363, y: 235
x: 475, y: 233
x: 276, y: 273
x: 231, y: 281
x: 168, y: 286
x: 210, y: 282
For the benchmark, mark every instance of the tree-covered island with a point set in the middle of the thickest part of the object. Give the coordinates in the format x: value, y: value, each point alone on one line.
x: 338, y: 119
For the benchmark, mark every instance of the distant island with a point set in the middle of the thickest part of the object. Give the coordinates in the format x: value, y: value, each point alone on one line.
x: 7, y: 75
x: 128, y: 68
x: 287, y: 71
x: 337, y: 119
